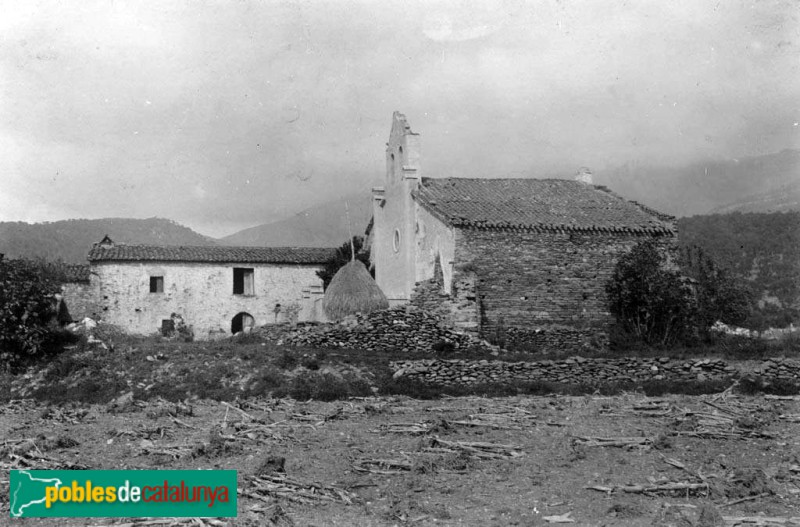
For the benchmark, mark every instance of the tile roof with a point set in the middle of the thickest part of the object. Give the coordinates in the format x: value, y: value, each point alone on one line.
x: 536, y: 204
x: 217, y: 254
x: 76, y: 273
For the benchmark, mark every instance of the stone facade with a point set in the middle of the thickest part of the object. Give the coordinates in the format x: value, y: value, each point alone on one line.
x: 459, y: 308
x: 81, y: 299
x: 552, y: 281
x: 202, y: 293
x: 528, y: 254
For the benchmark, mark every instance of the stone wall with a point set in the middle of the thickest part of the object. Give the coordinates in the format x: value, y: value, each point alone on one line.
x: 81, y: 299
x: 401, y: 328
x: 579, y: 370
x: 202, y: 293
x: 535, y: 280
x: 550, y: 338
x: 459, y: 310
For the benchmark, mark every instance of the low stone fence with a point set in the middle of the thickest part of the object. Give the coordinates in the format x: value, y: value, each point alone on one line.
x: 580, y: 370
x: 398, y: 328
x: 784, y: 369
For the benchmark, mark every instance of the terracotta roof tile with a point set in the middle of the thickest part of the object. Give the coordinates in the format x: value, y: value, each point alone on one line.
x: 76, y: 273
x: 217, y: 254
x: 536, y: 204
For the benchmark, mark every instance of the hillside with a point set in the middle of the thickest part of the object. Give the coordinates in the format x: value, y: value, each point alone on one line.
x: 761, y: 248
x: 784, y: 199
x: 321, y: 226
x: 70, y: 240
x: 702, y: 187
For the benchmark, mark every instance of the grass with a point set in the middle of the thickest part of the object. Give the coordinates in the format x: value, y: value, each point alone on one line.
x: 246, y: 366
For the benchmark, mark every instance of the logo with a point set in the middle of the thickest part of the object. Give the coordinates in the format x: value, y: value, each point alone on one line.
x: 122, y: 493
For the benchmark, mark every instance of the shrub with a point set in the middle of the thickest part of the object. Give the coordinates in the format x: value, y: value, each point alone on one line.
x: 310, y: 362
x: 264, y: 383
x: 27, y: 309
x: 287, y: 360
x: 718, y: 296
x: 649, y: 300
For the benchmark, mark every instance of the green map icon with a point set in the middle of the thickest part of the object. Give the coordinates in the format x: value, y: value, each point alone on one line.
x: 28, y: 492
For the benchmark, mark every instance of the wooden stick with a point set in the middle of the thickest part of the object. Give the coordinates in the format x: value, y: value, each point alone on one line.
x: 748, y: 498
x: 245, y: 414
x: 762, y: 520
x: 640, y: 489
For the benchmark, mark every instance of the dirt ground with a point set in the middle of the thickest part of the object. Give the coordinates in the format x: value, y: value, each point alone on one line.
x: 452, y: 461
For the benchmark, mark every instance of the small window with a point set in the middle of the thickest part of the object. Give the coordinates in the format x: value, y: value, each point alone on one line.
x: 243, y: 281
x: 167, y: 327
x: 396, y: 240
x: 156, y: 284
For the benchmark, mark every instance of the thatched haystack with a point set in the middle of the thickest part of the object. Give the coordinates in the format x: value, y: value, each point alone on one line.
x: 352, y: 290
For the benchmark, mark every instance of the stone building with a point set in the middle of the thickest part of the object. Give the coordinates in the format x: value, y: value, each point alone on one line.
x: 81, y: 296
x: 216, y: 290
x: 528, y: 258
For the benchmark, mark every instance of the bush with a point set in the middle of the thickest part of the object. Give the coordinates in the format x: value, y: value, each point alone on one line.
x: 27, y: 309
x: 287, y: 360
x: 718, y: 296
x: 649, y: 300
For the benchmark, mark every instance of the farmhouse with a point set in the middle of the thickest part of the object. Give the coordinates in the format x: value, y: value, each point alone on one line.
x: 216, y: 290
x: 528, y: 258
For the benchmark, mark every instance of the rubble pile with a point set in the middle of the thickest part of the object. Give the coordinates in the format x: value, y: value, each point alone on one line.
x: 400, y: 328
x: 575, y: 370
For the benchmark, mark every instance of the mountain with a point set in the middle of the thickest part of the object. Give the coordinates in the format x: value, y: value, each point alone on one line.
x: 321, y: 226
x: 702, y: 187
x: 70, y: 240
x: 761, y: 249
x: 784, y: 199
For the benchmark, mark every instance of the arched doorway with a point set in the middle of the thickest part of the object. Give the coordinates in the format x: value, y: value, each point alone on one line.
x: 242, y: 322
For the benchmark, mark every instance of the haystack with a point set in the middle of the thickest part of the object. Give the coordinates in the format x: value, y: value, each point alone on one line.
x: 352, y: 291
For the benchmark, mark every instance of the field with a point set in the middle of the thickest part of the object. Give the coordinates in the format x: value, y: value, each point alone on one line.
x: 622, y: 460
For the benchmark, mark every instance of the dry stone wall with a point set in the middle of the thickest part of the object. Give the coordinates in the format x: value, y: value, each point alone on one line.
x: 580, y: 370
x: 400, y: 328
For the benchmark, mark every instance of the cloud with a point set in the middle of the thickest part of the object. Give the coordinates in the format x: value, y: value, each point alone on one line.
x: 238, y: 113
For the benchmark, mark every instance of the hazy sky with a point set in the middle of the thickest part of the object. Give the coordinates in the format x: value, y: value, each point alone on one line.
x: 224, y: 115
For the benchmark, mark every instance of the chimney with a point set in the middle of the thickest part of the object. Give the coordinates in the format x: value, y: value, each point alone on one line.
x: 584, y: 175
x: 105, y: 243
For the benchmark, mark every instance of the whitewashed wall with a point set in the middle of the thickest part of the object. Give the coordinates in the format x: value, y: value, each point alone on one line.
x: 202, y: 294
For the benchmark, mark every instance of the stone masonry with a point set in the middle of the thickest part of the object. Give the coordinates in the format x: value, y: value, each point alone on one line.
x: 587, y: 371
x: 544, y: 283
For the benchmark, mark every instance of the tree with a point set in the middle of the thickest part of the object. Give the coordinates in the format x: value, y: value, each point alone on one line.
x: 342, y: 256
x: 718, y: 294
x: 650, y: 300
x: 27, y: 307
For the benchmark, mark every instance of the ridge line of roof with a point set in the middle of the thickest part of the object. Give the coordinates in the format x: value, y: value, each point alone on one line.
x: 122, y: 244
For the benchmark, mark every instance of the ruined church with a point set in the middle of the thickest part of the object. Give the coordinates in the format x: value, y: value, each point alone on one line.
x: 527, y: 259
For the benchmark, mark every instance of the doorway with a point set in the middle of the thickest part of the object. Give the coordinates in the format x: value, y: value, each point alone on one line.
x: 242, y: 322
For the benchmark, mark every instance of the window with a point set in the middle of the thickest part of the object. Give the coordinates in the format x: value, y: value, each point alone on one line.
x: 243, y: 281
x: 396, y: 240
x: 156, y: 284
